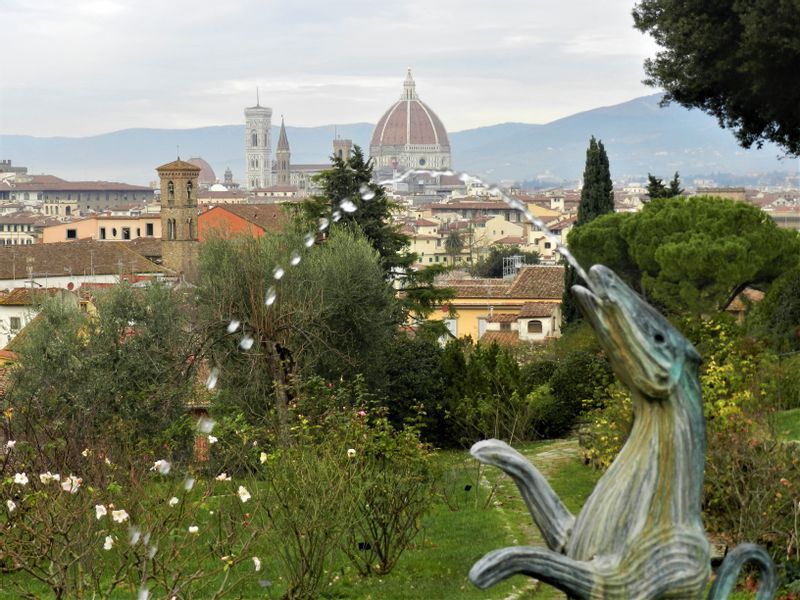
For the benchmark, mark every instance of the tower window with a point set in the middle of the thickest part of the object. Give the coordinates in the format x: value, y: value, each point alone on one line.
x: 253, y: 138
x: 170, y: 193
x: 189, y: 192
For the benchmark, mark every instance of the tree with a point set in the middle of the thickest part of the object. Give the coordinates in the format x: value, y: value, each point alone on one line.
x: 454, y: 244
x: 330, y: 315
x: 736, y: 61
x: 657, y: 189
x: 689, y: 254
x: 350, y: 193
x: 777, y: 316
x: 597, y: 198
x: 597, y: 194
x: 492, y: 265
x: 118, y: 378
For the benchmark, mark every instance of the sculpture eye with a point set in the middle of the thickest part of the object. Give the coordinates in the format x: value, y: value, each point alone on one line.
x: 659, y: 338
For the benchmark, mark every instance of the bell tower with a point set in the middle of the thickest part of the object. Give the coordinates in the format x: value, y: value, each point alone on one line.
x: 258, y: 146
x: 179, y: 245
x: 283, y: 158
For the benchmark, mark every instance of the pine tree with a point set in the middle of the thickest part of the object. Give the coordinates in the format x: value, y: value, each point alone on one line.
x: 675, y: 186
x: 597, y: 198
x: 656, y: 187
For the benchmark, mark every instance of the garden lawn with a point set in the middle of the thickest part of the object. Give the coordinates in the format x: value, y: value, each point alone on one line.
x: 787, y: 424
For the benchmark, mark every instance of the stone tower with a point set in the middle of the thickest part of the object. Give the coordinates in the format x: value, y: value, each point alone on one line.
x: 179, y: 245
x: 342, y: 148
x: 258, y: 146
x: 282, y: 158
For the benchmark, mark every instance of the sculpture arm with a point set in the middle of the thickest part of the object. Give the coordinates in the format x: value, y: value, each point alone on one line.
x: 546, y: 509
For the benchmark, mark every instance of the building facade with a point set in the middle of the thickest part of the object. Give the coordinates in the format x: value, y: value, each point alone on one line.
x: 258, y: 146
x: 179, y: 188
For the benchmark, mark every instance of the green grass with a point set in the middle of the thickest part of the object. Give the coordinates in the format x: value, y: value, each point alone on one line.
x: 787, y: 424
x: 477, y: 510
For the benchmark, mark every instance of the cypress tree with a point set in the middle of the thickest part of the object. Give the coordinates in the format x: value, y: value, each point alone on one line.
x: 597, y: 198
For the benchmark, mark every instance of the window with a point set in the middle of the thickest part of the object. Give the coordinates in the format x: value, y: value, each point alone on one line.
x: 113, y: 232
x: 148, y: 229
x: 102, y: 233
x: 14, y: 323
x: 547, y: 245
x: 189, y: 192
x: 72, y: 234
x: 126, y: 233
x: 505, y: 326
x: 253, y: 138
x: 534, y: 326
x: 170, y: 193
x: 138, y: 232
x: 68, y: 210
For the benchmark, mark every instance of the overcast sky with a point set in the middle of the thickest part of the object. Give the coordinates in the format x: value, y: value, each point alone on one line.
x: 79, y: 68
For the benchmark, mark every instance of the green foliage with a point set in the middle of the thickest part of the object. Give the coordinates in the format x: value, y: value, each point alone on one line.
x: 724, y: 58
x: 657, y: 189
x: 689, y: 254
x: 415, y: 384
x: 536, y: 373
x: 777, y: 316
x: 597, y: 194
x: 597, y: 199
x: 120, y: 377
x: 453, y: 243
x: 332, y: 316
x: 492, y: 264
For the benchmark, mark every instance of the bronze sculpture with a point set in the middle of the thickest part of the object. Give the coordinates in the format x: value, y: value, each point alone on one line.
x: 640, y: 533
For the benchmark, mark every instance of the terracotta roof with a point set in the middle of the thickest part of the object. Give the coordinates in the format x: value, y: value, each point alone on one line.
x: 747, y: 297
x: 424, y: 236
x: 538, y: 310
x: 79, y: 257
x: 82, y: 186
x: 511, y: 240
x: 270, y: 217
x: 426, y: 223
x: 277, y: 188
x: 149, y: 247
x: 25, y: 296
x: 469, y: 204
x: 502, y: 338
x: 538, y: 281
x: 479, y: 288
x: 227, y: 194
x: 502, y: 318
x: 28, y: 218
x: 179, y: 165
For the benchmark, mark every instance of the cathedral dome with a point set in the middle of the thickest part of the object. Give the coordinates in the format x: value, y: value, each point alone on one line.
x: 207, y: 176
x: 410, y: 134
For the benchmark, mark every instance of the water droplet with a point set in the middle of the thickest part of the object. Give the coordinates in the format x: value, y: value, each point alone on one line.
x: 135, y: 535
x: 144, y: 593
x: 309, y: 241
x: 188, y: 484
x: 272, y: 295
x: 205, y: 425
x: 213, y: 376
x: 246, y: 343
x: 366, y: 192
x: 348, y: 206
x: 295, y: 260
x: 336, y: 216
x: 233, y: 326
x: 278, y: 273
x: 464, y: 177
x: 323, y: 224
x: 151, y: 552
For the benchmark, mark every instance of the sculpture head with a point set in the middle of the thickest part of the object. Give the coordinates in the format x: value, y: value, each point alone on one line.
x: 647, y: 353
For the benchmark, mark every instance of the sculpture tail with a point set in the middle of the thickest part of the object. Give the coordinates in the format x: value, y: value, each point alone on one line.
x: 732, y: 565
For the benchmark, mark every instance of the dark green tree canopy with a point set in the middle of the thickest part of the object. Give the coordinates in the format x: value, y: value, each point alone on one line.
x: 737, y: 61
x: 657, y: 189
x: 689, y: 254
x: 597, y: 194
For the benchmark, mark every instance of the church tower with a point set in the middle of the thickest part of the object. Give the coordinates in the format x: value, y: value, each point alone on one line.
x: 258, y: 146
x: 283, y: 158
x: 342, y: 148
x: 179, y: 245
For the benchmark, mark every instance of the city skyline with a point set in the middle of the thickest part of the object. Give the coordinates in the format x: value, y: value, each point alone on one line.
x: 90, y: 67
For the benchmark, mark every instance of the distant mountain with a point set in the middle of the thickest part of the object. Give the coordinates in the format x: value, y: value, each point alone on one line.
x: 640, y: 137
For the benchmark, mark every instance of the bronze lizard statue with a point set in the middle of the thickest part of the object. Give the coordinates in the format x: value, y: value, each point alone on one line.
x: 640, y: 533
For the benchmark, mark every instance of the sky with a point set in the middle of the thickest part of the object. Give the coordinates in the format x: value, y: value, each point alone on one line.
x: 85, y: 67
